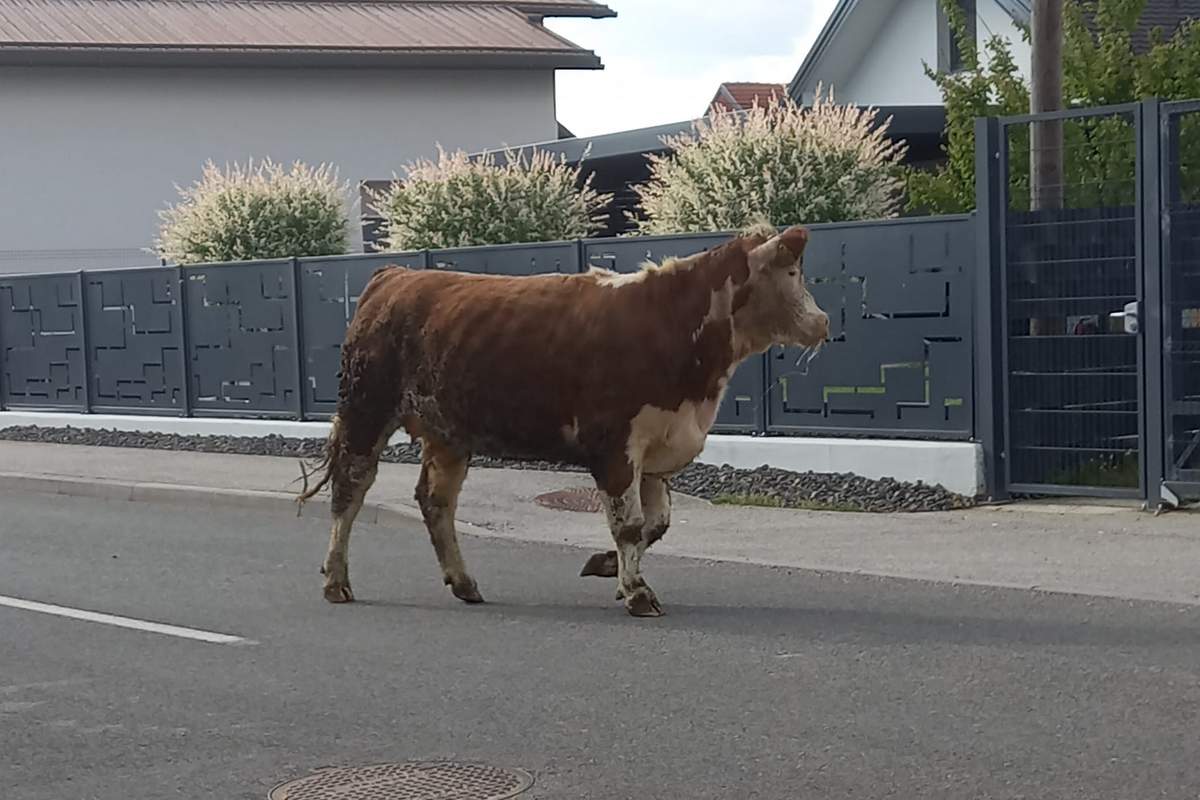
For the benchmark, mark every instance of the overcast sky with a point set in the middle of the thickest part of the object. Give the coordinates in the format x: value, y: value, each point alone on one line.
x: 664, y: 59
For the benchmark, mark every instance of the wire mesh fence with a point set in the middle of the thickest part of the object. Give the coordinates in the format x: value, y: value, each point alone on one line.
x: 1181, y: 291
x: 1071, y: 259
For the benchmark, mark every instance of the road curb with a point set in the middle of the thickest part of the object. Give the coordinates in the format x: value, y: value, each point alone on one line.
x: 207, y: 497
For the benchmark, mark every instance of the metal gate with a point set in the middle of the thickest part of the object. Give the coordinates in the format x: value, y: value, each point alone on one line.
x: 1180, y: 282
x: 1071, y: 287
x: 1089, y: 316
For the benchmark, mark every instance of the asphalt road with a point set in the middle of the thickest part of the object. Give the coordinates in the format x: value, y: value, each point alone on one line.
x: 759, y: 682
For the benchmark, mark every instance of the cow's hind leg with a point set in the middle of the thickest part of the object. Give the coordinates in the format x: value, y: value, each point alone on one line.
x: 656, y: 504
x: 442, y: 474
x: 354, y: 460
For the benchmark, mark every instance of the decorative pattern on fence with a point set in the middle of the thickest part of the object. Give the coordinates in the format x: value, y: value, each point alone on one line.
x: 899, y: 297
x: 329, y: 292
x: 510, y: 259
x: 42, y: 340
x: 262, y: 339
x: 243, y: 339
x: 135, y: 340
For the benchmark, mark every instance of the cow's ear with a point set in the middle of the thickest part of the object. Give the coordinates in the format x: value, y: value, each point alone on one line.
x: 781, y: 250
x: 795, y: 239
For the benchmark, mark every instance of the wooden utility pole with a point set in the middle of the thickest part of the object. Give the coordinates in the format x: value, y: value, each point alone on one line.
x: 1046, y: 137
x: 1045, y: 94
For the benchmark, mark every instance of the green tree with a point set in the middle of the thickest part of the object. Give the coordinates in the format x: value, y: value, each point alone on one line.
x: 257, y: 211
x: 1100, y: 67
x: 457, y: 201
x: 780, y: 162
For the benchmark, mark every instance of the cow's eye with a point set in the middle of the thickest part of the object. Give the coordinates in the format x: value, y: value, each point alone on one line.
x: 793, y: 272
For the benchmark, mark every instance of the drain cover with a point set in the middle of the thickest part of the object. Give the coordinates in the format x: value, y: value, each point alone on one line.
x: 582, y: 499
x: 438, y: 780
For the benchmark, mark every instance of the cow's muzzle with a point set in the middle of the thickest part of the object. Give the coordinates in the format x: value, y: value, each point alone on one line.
x: 812, y: 331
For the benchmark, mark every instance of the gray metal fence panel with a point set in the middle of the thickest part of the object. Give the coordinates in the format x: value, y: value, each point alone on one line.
x: 263, y: 338
x: 743, y: 410
x: 135, y: 340
x: 42, y: 341
x: 627, y: 254
x: 242, y: 339
x: 329, y: 292
x: 510, y: 259
x: 900, y: 301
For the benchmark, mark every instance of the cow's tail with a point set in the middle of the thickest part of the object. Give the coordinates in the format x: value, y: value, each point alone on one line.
x: 322, y: 469
x: 353, y: 360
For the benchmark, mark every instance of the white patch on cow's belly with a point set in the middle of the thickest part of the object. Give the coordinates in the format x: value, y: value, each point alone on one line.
x: 665, y: 442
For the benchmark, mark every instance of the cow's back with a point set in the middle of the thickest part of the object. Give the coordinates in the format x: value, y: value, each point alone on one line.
x: 527, y: 367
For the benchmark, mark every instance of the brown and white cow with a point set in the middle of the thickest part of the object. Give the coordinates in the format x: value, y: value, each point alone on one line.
x: 618, y: 373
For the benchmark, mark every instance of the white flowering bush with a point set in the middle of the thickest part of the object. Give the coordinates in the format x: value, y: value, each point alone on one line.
x: 257, y: 211
x: 782, y: 162
x: 459, y: 202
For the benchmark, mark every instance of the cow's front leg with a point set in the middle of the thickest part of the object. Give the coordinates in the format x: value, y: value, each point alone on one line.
x: 626, y: 519
x: 656, y: 501
x: 656, y: 505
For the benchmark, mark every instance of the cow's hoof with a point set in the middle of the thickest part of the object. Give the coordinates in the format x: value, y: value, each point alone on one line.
x: 467, y: 591
x: 339, y: 593
x: 643, y: 603
x: 601, y: 565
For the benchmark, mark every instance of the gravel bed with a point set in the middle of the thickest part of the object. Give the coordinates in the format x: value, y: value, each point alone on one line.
x: 765, y: 486
x: 769, y: 486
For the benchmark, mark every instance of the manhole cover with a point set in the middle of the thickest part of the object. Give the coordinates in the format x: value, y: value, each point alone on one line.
x: 582, y: 499
x: 417, y: 781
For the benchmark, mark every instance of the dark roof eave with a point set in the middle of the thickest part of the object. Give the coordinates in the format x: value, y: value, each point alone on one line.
x: 1019, y: 10
x: 827, y: 34
x: 640, y: 140
x: 907, y: 122
x: 25, y: 55
x: 589, y: 10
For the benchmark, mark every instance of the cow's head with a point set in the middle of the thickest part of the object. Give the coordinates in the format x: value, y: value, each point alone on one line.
x: 774, y: 306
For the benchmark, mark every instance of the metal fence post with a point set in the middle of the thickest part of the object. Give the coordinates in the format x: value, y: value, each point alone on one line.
x: 1151, y: 221
x: 764, y: 402
x: 989, y: 407
x: 81, y: 288
x: 185, y: 358
x: 298, y: 339
x: 3, y: 360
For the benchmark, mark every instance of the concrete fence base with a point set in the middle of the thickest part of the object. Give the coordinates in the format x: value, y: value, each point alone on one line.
x: 958, y: 466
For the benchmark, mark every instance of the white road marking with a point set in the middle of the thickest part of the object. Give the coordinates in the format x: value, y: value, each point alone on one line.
x: 123, y: 622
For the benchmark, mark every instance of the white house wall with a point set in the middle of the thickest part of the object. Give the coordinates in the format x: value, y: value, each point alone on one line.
x: 89, y: 156
x: 890, y: 71
x: 878, y: 56
x: 992, y: 20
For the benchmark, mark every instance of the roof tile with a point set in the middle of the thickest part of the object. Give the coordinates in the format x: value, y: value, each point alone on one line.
x: 389, y: 26
x: 732, y: 96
